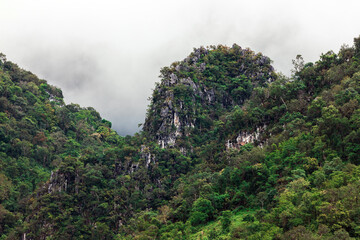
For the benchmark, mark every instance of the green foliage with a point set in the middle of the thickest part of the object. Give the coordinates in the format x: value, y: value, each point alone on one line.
x: 226, y: 221
x: 249, y: 154
x: 39, y: 134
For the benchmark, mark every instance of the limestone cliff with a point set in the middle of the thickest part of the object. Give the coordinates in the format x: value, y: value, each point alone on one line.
x: 202, y: 86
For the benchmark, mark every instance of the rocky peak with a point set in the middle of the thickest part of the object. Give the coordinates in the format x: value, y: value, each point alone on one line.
x: 206, y: 83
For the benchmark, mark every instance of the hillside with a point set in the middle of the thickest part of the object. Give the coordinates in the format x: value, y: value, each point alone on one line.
x: 230, y: 149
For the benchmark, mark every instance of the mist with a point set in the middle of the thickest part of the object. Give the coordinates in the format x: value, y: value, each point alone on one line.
x: 108, y: 54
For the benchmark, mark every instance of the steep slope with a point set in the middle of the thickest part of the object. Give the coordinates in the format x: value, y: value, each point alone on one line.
x: 39, y: 134
x: 201, y: 88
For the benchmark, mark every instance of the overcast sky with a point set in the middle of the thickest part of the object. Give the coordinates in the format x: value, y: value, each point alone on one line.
x: 108, y: 54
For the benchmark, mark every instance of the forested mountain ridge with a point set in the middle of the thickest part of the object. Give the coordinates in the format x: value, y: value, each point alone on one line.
x: 229, y: 150
x: 39, y: 133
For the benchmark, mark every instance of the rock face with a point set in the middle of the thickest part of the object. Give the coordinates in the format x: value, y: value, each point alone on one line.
x: 147, y: 156
x: 62, y: 182
x: 206, y: 83
x: 245, y: 137
x: 57, y: 183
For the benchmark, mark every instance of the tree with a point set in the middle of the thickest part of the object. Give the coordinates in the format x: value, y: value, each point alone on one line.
x: 202, y: 211
x: 298, y: 64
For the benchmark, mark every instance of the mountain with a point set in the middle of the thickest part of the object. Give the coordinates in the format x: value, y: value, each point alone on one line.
x: 230, y: 149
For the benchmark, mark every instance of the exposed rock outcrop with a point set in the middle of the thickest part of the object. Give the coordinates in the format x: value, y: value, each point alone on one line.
x: 245, y: 137
x: 202, y: 84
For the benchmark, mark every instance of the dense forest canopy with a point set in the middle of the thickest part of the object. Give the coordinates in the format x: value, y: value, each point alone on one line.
x: 229, y: 149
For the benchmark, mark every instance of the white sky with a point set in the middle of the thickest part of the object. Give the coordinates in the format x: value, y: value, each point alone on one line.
x: 108, y: 54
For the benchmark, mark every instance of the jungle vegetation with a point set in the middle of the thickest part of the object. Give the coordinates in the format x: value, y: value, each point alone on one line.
x: 65, y: 174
